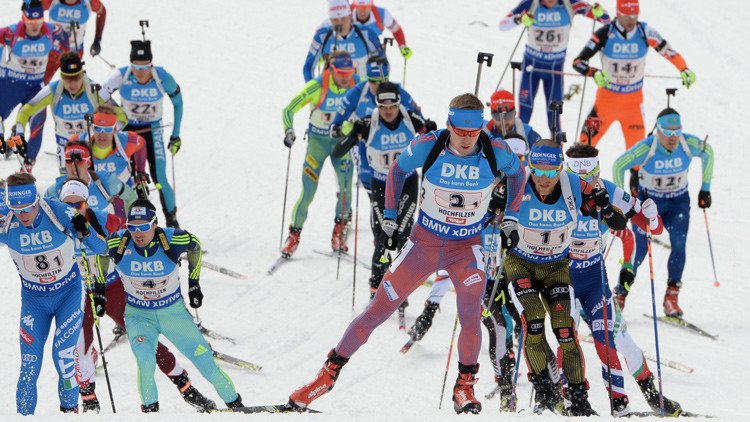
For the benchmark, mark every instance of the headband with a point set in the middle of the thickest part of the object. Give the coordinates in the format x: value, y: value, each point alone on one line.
x: 466, y: 119
x: 21, y: 195
x: 74, y: 188
x: 546, y: 155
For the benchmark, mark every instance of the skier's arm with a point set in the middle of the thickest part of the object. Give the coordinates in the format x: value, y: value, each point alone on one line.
x: 508, y: 163
x: 628, y: 243
x: 315, y: 52
x: 700, y: 148
x: 359, y: 130
x: 41, y: 100
x: 417, y: 121
x: 175, y: 95
x: 613, y: 217
x: 310, y: 93
x: 629, y: 159
x: 408, y: 101
x: 512, y: 18
x: 412, y: 158
x: 532, y: 137
x: 348, y: 105
x: 596, y: 43
x: 658, y: 43
x: 136, y: 148
x: 93, y: 240
x: 113, y: 84
x: 101, y: 18
x: 184, y: 240
x: 392, y: 24
x: 584, y: 8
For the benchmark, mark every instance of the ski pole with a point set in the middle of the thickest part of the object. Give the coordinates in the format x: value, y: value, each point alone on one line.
x: 448, y: 363
x: 356, y: 236
x: 13, y: 143
x: 343, y: 234
x: 653, y: 313
x: 609, y: 248
x: 605, y: 288
x: 514, y: 66
x: 174, y: 180
x: 481, y: 58
x: 111, y: 66
x: 286, y: 189
x: 711, y: 249
x: 583, y: 96
x: 87, y: 275
x: 144, y: 24
x: 505, y: 69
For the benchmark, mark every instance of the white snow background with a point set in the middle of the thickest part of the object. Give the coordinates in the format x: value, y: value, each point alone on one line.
x: 238, y: 64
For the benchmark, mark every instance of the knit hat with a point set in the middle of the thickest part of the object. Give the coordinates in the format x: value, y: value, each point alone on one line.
x: 338, y: 9
x: 140, y: 50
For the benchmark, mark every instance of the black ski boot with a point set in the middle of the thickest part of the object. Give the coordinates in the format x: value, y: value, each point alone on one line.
x: 171, y: 218
x: 237, y: 403
x: 424, y: 321
x: 620, y: 407
x: 546, y: 397
x: 151, y: 408
x: 191, y: 395
x: 69, y: 409
x: 88, y: 398
x: 579, y: 401
x: 671, y: 407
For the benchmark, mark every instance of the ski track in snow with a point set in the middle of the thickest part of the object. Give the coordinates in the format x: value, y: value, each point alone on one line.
x: 239, y: 65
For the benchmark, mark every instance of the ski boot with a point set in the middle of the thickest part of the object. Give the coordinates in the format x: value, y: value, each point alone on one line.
x: 579, y: 401
x: 424, y: 321
x: 547, y: 396
x: 171, y: 218
x: 651, y: 394
x: 292, y: 241
x: 505, y: 387
x: 323, y: 382
x: 191, y: 395
x: 151, y: 408
x: 88, y: 398
x: 464, y: 400
x: 671, y: 306
x: 338, y: 237
x: 620, y: 407
x: 69, y: 409
x: 236, y: 404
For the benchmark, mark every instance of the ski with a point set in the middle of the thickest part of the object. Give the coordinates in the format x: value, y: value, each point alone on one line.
x: 120, y: 334
x: 659, y: 242
x: 216, y: 336
x: 681, y: 323
x: 408, y: 345
x: 683, y: 414
x: 345, y: 256
x: 222, y: 270
x: 669, y: 363
x: 495, y: 391
x: 281, y: 260
x: 271, y: 408
x: 237, y: 362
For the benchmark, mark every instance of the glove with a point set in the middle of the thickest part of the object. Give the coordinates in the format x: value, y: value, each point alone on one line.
x: 289, y: 138
x: 174, y: 144
x: 649, y: 209
x: 597, y: 11
x: 602, y: 79
x: 194, y: 294
x: 509, y: 234
x: 627, y: 277
x: 336, y: 131
x: 688, y: 77
x: 358, y: 128
x: 498, y: 199
x: 406, y: 52
x: 526, y: 19
x: 96, y: 48
x: 100, y: 302
x: 704, y: 199
x: 601, y: 199
x: 390, y: 228
x: 430, y: 125
x: 80, y: 224
x: 3, y: 149
x: 19, y: 143
x: 142, y: 178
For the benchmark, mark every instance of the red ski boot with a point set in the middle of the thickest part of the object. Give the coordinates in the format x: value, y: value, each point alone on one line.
x: 338, y: 237
x: 464, y: 400
x: 323, y: 382
x: 671, y: 307
x: 291, y: 242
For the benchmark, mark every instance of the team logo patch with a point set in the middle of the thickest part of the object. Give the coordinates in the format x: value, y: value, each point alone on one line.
x: 138, y: 211
x: 26, y: 337
x: 564, y: 332
x: 472, y: 279
x: 390, y: 291
x: 140, y: 339
x: 524, y: 283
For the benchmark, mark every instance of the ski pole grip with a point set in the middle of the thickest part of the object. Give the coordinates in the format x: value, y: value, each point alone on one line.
x: 485, y: 58
x: 515, y: 65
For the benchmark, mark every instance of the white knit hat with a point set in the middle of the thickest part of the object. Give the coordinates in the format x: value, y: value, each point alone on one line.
x: 74, y: 188
x: 338, y: 9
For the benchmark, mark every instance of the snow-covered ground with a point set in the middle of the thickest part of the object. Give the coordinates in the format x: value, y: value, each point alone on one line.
x: 239, y: 63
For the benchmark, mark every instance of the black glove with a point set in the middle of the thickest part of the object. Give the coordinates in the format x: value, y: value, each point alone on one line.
x: 336, y: 131
x: 601, y: 199
x: 509, y: 234
x: 96, y: 47
x: 430, y: 125
x: 80, y: 224
x: 289, y: 138
x: 174, y: 144
x: 358, y: 128
x: 100, y: 302
x: 704, y: 199
x: 390, y: 228
x: 142, y: 178
x: 194, y: 294
x: 627, y: 277
x: 634, y: 182
x: 498, y: 200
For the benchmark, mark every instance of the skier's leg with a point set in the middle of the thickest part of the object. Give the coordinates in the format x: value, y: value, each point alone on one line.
x: 142, y: 326
x: 314, y: 159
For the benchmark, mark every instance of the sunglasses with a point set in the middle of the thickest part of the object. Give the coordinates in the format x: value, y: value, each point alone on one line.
x: 140, y: 227
x: 504, y: 115
x: 29, y: 20
x: 103, y: 129
x: 465, y: 132
x: 141, y: 66
x: 545, y: 173
x: 343, y: 72
x: 25, y: 209
x: 72, y: 78
x: 670, y: 132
